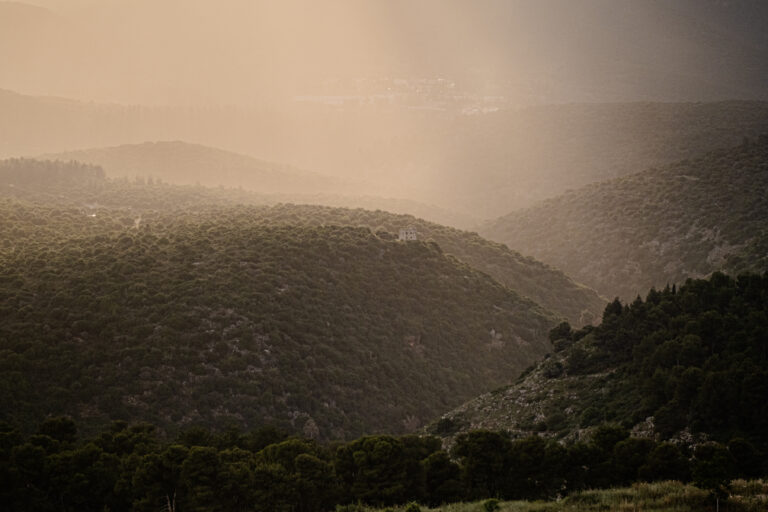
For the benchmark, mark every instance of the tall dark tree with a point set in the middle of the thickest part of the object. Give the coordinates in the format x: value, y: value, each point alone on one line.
x: 485, y: 461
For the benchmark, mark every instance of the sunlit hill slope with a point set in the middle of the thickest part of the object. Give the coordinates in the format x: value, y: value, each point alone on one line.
x: 69, y: 185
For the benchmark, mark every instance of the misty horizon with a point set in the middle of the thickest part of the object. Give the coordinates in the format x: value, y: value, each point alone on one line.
x: 256, y: 53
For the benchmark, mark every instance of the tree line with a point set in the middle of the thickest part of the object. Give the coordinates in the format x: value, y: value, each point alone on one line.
x: 692, y: 357
x: 135, y: 467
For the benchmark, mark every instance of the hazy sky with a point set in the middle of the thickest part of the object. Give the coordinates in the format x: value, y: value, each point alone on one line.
x: 267, y: 53
x: 253, y: 51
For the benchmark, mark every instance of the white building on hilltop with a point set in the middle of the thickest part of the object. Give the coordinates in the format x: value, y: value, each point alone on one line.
x: 407, y: 234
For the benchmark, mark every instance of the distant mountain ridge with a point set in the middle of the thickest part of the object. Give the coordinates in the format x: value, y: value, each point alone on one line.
x: 507, y: 159
x: 521, y: 157
x: 188, y: 164
x: 516, y: 156
x: 656, y: 227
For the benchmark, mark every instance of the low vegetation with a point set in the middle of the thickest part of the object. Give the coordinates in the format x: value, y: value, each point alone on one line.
x: 749, y: 496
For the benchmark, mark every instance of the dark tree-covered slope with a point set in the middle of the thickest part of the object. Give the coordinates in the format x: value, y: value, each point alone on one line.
x: 215, y: 315
x: 660, y: 226
x: 85, y: 187
x: 684, y: 363
x: 545, y: 285
x: 219, y: 320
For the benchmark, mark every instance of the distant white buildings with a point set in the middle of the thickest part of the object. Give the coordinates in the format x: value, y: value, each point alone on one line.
x: 407, y: 234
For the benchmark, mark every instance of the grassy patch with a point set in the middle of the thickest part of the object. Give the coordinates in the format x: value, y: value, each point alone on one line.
x: 746, y: 496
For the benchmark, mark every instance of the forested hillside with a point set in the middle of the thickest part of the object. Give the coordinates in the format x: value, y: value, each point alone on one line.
x: 687, y: 364
x: 546, y: 286
x: 86, y: 188
x: 216, y: 315
x: 659, y: 226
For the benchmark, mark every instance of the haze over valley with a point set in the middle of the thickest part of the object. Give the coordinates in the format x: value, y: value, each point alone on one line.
x: 417, y: 254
